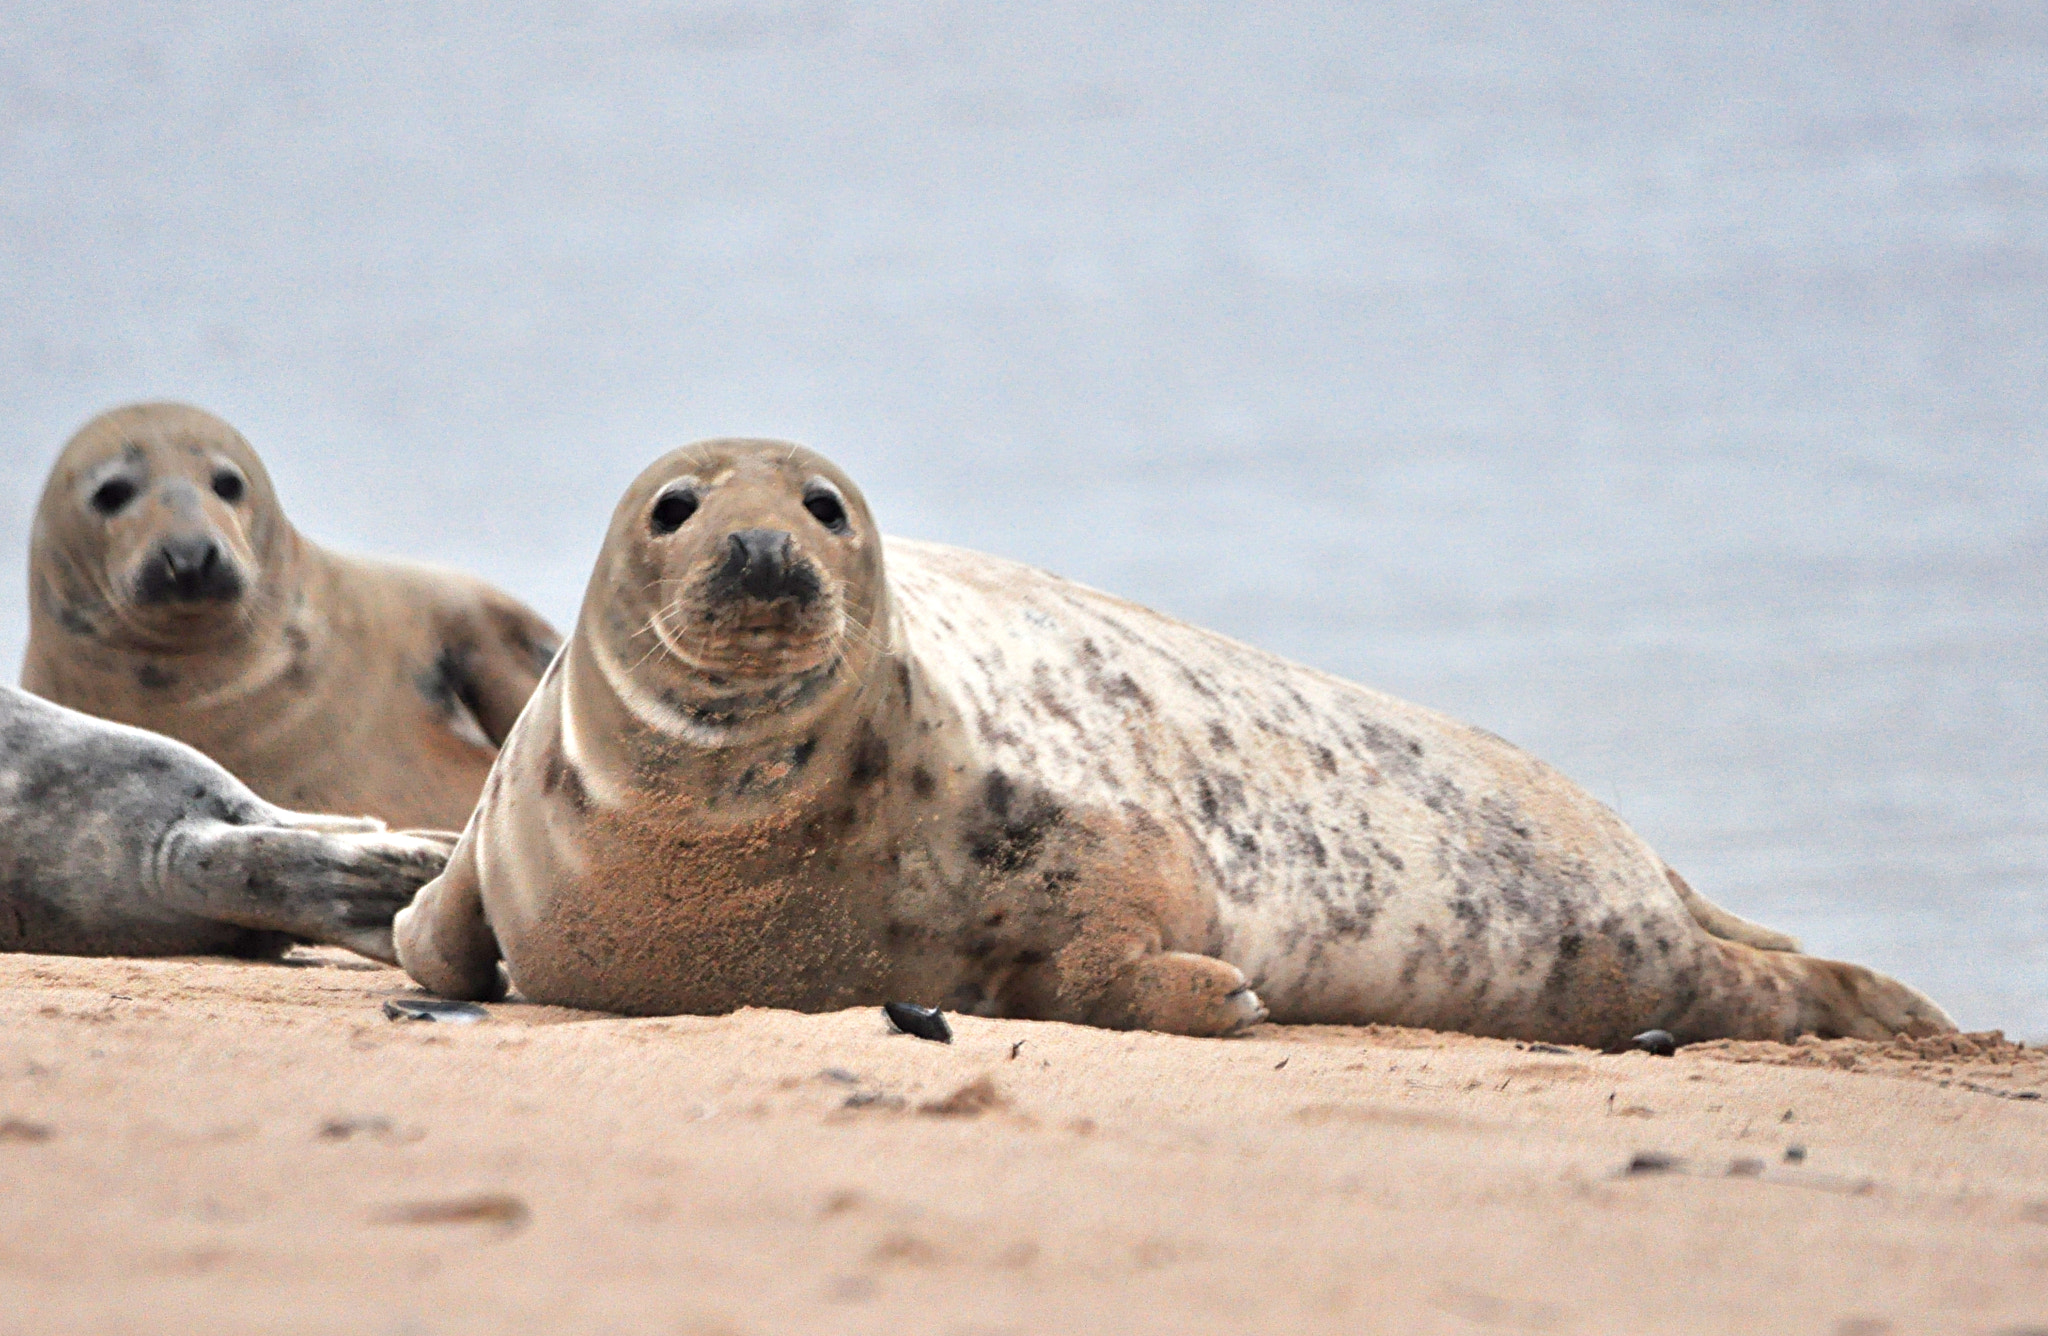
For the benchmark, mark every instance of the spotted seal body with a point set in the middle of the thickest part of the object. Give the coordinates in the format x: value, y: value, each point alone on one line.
x: 764, y: 772
x: 114, y: 841
x: 168, y: 590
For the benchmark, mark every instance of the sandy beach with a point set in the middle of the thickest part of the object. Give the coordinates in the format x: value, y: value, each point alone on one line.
x: 231, y: 1147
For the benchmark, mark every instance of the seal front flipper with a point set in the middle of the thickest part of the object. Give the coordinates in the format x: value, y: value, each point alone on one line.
x: 1175, y: 992
x: 497, y: 650
x: 443, y: 939
x: 340, y: 889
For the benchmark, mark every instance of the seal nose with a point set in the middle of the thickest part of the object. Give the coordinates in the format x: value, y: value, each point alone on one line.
x: 760, y: 563
x: 189, y: 570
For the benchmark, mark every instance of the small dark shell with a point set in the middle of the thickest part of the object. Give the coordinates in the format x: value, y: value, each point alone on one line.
x: 434, y: 1009
x: 1658, y: 1042
x: 924, y: 1022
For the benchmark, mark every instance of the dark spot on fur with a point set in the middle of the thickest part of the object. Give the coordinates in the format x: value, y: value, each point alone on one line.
x: 1312, y: 845
x: 572, y: 788
x: 870, y: 759
x: 1124, y: 687
x: 921, y: 781
x: 997, y: 793
x: 297, y: 672
x: 558, y: 773
x: 447, y: 685
x: 1220, y: 739
x: 153, y: 677
x: 1020, y: 825
x: 800, y: 755
x: 1326, y: 760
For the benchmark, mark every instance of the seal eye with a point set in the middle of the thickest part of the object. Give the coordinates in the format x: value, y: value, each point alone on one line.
x: 227, y: 486
x: 826, y: 509
x: 112, y: 495
x: 673, y: 510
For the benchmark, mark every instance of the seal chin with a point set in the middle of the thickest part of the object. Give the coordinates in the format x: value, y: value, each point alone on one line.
x: 720, y: 712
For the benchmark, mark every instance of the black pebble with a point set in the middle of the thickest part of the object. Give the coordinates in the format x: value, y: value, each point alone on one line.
x: 1795, y: 1155
x: 1658, y: 1042
x: 1652, y: 1162
x: 434, y: 1009
x: 924, y: 1022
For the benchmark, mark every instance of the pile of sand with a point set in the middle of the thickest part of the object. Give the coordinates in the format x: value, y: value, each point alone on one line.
x: 225, y: 1147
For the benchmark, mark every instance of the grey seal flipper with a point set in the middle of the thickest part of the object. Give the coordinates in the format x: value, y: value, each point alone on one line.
x: 115, y: 841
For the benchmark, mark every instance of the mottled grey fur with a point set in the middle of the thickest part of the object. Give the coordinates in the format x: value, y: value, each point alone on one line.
x: 115, y: 841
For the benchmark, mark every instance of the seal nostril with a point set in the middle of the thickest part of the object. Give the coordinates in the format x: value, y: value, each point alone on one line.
x: 761, y: 563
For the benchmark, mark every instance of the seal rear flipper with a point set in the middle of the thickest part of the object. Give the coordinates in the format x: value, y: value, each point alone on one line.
x: 443, y: 939
x: 1725, y: 925
x: 1748, y: 993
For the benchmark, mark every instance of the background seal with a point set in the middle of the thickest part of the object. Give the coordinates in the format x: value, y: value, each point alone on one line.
x: 169, y: 591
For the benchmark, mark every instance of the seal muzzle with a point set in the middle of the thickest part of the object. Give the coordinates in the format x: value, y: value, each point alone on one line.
x: 189, y: 569
x: 763, y: 564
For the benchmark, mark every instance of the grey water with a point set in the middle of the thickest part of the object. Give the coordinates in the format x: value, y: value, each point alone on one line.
x: 1661, y: 385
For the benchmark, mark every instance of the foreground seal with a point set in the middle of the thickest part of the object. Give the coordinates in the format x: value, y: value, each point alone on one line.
x: 117, y: 842
x: 167, y: 590
x: 764, y: 772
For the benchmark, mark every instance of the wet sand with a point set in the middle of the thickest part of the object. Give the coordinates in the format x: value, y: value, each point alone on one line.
x: 226, y: 1147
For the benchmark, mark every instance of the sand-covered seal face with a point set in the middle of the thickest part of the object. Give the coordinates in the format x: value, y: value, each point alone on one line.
x: 156, y: 528
x: 741, y: 580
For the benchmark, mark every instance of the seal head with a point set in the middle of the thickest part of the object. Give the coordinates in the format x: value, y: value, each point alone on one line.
x: 740, y: 586
x: 159, y: 530
x: 168, y: 591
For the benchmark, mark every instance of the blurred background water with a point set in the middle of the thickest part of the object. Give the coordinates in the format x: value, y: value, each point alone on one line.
x: 1661, y: 385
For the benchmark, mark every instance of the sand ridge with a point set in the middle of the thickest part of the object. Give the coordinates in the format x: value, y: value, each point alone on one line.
x: 210, y: 1145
